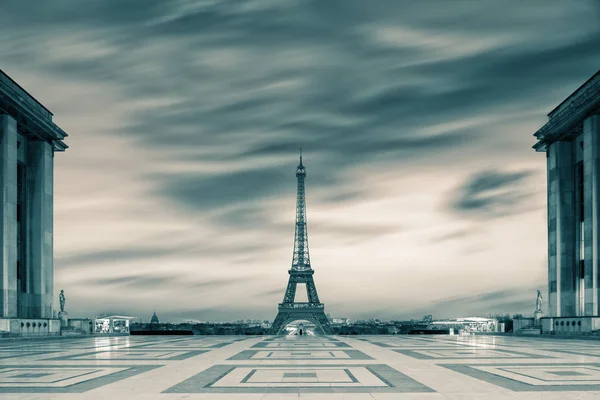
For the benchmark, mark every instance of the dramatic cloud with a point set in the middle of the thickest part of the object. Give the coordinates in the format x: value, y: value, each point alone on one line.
x: 111, y: 256
x: 211, y: 192
x: 493, y: 193
x: 177, y: 193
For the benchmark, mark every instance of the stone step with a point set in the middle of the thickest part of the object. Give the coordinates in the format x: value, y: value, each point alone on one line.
x: 70, y: 331
x: 530, y: 331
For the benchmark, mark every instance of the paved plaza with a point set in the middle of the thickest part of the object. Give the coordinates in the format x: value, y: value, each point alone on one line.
x: 312, y: 367
x: 320, y: 367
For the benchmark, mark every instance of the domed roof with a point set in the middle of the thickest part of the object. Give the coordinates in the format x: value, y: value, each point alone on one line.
x: 154, y: 319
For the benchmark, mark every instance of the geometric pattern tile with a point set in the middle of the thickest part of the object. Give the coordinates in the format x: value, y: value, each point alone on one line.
x: 397, y: 340
x: 319, y: 378
x: 301, y: 339
x: 184, y: 345
x: 137, y: 355
x: 580, y: 352
x: 65, y: 344
x: 279, y: 355
x: 300, y: 345
x: 535, y: 377
x: 411, y: 342
x: 466, y: 353
x: 11, y: 353
x: 63, y: 379
x: 544, y: 345
x: 390, y: 339
x: 275, y: 365
x: 57, y: 347
x: 424, y: 344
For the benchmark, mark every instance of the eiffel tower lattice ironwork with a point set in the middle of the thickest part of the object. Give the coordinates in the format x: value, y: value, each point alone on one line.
x: 301, y: 272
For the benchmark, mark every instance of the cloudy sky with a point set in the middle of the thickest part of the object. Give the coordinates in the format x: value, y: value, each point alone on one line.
x: 177, y: 193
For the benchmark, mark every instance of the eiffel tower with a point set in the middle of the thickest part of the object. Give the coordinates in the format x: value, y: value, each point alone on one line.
x: 301, y: 272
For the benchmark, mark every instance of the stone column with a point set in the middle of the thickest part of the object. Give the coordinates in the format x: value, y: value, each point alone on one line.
x: 561, y: 232
x: 40, y: 222
x: 8, y: 217
x: 591, y: 173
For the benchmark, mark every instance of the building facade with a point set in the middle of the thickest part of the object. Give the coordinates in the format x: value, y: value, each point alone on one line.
x: 28, y: 140
x: 571, y: 141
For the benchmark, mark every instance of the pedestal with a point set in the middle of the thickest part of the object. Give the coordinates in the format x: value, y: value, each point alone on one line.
x: 64, y: 319
x: 537, y: 318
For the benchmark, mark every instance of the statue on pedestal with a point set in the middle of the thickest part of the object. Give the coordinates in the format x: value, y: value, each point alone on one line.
x: 63, y: 315
x: 538, y: 313
x: 61, y: 298
x: 539, y: 302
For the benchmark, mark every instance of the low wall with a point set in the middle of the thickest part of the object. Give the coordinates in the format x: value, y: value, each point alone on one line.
x: 448, y: 331
x: 570, y: 325
x: 520, y: 323
x: 30, y: 326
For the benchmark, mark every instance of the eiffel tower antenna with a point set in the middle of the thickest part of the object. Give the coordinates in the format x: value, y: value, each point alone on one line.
x: 301, y: 272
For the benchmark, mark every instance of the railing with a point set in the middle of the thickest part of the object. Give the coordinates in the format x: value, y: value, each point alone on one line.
x: 301, y: 305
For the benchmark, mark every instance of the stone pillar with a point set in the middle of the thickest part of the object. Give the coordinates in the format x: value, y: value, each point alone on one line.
x: 40, y: 222
x: 561, y: 232
x: 8, y: 217
x: 591, y: 173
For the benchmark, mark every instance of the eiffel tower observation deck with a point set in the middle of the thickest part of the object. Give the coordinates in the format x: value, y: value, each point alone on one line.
x: 301, y: 272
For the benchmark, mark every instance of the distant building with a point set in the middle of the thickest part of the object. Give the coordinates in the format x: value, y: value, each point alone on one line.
x: 154, y: 319
x: 339, y: 321
x: 113, y: 324
x: 471, y: 324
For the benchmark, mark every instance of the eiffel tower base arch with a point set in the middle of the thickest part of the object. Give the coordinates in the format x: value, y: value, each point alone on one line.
x: 290, y: 314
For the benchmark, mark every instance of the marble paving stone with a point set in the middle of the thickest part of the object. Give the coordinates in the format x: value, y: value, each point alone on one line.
x: 179, y: 345
x: 398, y: 338
x: 12, y: 353
x: 63, y: 379
x: 301, y: 339
x: 536, y: 377
x: 470, y: 353
x: 389, y: 344
x: 317, y: 378
x: 301, y: 345
x: 301, y: 355
x: 593, y: 352
x: 127, y: 355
